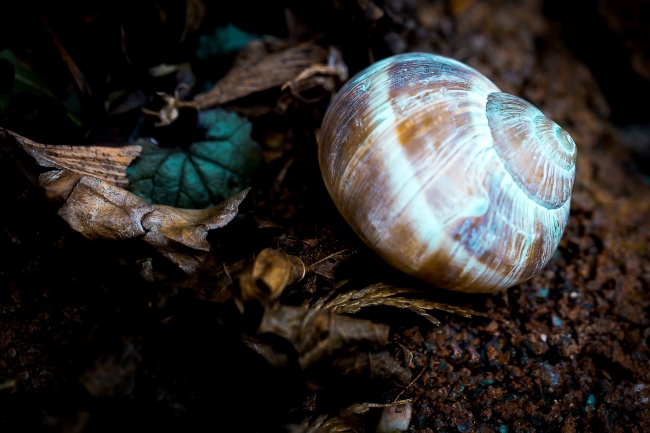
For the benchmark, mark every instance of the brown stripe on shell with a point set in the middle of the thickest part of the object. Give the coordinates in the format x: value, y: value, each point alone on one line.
x: 482, y: 238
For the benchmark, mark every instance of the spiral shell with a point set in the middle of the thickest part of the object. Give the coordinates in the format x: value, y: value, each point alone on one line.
x: 444, y: 176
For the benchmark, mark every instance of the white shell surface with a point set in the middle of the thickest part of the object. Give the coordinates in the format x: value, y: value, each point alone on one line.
x: 395, y: 419
x: 408, y: 151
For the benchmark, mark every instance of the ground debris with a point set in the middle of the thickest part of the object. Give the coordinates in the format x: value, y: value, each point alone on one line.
x: 385, y: 294
x: 320, y: 334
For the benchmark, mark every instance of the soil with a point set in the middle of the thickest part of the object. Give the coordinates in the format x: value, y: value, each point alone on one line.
x: 86, y: 344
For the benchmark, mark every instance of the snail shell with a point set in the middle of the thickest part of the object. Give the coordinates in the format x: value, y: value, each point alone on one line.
x: 444, y: 176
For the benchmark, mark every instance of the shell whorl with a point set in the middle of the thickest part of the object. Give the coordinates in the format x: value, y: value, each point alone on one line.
x: 425, y: 159
x: 536, y: 151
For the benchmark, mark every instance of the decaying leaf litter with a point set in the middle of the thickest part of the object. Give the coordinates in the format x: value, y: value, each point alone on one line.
x: 91, y: 183
x: 291, y: 286
x: 89, y: 178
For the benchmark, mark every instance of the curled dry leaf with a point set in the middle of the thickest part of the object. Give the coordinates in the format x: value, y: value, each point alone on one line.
x: 99, y: 209
x: 256, y: 70
x: 272, y: 271
x: 317, y: 334
x: 319, y: 75
x: 88, y: 179
x: 260, y: 72
x: 106, y: 163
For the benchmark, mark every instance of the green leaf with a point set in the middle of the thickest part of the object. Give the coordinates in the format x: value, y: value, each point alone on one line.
x: 225, y: 40
x: 207, y: 173
x: 16, y: 77
x: 7, y: 72
x: 24, y: 80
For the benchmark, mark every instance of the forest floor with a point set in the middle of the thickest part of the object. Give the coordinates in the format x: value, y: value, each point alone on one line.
x: 109, y: 334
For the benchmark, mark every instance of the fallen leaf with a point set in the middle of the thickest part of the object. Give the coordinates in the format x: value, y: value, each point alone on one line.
x: 272, y: 271
x: 206, y: 173
x: 321, y: 255
x: 99, y: 209
x: 260, y: 72
x: 323, y: 76
x: 377, y: 365
x: 23, y: 80
x: 255, y: 70
x: 16, y: 78
x: 317, y: 334
x: 106, y: 163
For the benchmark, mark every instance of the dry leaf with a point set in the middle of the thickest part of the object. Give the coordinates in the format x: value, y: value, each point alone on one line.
x: 99, y: 209
x: 320, y: 255
x: 325, y: 266
x: 319, y: 75
x: 379, y: 365
x: 256, y: 70
x: 272, y: 271
x: 106, y: 163
x: 274, y: 357
x: 260, y: 72
x: 220, y: 285
x: 317, y: 334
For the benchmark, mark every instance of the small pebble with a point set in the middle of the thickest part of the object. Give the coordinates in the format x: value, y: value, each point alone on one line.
x: 395, y: 419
